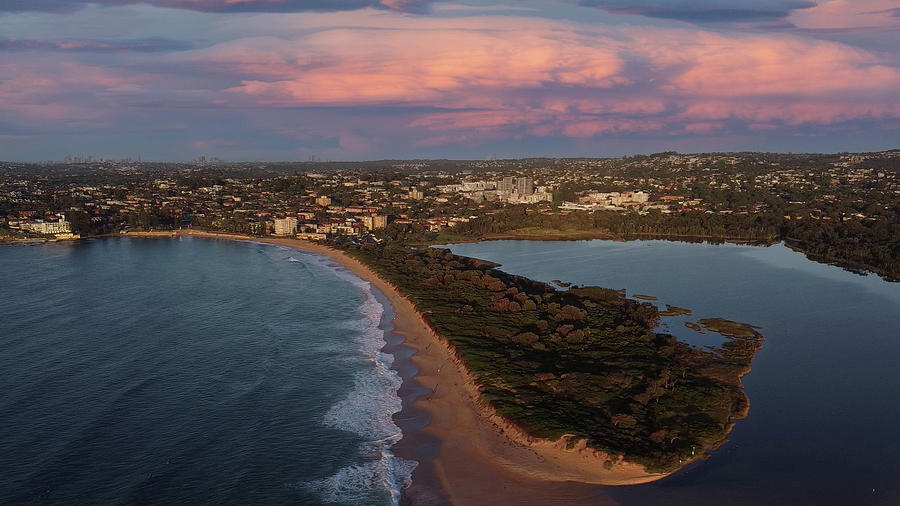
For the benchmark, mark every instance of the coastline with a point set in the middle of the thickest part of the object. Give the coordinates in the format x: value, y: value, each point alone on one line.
x: 602, y: 235
x: 481, y: 458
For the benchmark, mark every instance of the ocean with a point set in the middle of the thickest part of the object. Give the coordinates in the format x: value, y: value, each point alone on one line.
x: 194, y: 371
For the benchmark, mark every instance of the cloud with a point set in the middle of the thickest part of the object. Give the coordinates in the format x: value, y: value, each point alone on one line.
x: 848, y: 14
x: 98, y: 46
x: 224, y: 5
x: 421, y: 67
x: 42, y: 5
x: 371, y: 81
x: 522, y: 76
x: 40, y: 93
x: 703, y: 11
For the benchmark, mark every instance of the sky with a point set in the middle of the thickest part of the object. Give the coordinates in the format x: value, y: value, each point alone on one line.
x: 388, y: 79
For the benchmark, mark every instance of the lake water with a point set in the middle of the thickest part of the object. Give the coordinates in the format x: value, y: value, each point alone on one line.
x: 824, y: 391
x: 193, y: 371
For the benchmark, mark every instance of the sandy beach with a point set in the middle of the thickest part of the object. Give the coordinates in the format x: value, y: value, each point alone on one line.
x: 481, y: 458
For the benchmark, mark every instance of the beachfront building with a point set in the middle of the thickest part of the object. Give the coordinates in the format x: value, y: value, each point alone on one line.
x: 49, y: 227
x: 286, y: 226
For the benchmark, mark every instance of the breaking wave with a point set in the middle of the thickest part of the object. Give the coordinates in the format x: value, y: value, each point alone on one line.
x: 367, y: 411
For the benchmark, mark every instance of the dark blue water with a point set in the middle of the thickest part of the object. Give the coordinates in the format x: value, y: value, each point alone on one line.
x: 192, y: 371
x: 824, y: 424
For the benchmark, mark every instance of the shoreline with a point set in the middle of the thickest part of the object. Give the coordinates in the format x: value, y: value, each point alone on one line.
x: 481, y: 458
x: 603, y: 236
x: 794, y: 244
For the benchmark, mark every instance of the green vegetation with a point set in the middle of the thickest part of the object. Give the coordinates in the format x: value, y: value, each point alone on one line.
x: 694, y: 326
x: 510, y: 222
x: 729, y: 328
x: 583, y: 361
x: 675, y: 311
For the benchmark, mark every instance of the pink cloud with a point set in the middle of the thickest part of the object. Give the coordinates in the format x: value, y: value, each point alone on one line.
x: 68, y: 6
x: 515, y: 76
x: 428, y: 67
x: 471, y: 79
x: 747, y: 66
x: 37, y: 93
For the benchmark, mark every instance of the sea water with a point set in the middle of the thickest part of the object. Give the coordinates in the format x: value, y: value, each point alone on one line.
x: 193, y: 371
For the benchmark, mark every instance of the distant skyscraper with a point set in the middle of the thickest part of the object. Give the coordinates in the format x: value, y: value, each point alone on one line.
x: 524, y: 186
x: 507, y: 185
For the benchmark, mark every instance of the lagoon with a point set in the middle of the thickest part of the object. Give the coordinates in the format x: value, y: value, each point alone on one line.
x: 824, y: 389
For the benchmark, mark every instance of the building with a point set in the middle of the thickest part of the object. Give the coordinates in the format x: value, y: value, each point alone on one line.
x: 507, y: 184
x: 637, y: 197
x: 379, y: 221
x: 416, y: 194
x: 374, y: 222
x: 574, y: 206
x: 323, y: 201
x: 286, y: 226
x: 49, y: 227
x: 533, y: 198
x: 312, y: 236
x: 616, y: 198
x: 524, y: 186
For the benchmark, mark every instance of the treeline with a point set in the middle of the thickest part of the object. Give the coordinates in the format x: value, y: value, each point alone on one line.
x: 863, y: 246
x: 745, y: 227
x: 870, y: 245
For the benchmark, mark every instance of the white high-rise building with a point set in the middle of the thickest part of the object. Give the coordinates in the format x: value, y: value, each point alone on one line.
x: 524, y: 186
x: 286, y: 226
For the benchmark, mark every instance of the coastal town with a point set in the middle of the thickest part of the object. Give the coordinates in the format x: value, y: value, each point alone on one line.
x: 753, y: 196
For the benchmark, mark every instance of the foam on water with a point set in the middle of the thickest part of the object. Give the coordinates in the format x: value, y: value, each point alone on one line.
x: 368, y: 411
x: 356, y: 484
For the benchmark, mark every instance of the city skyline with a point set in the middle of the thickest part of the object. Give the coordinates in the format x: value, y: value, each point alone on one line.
x: 394, y: 79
